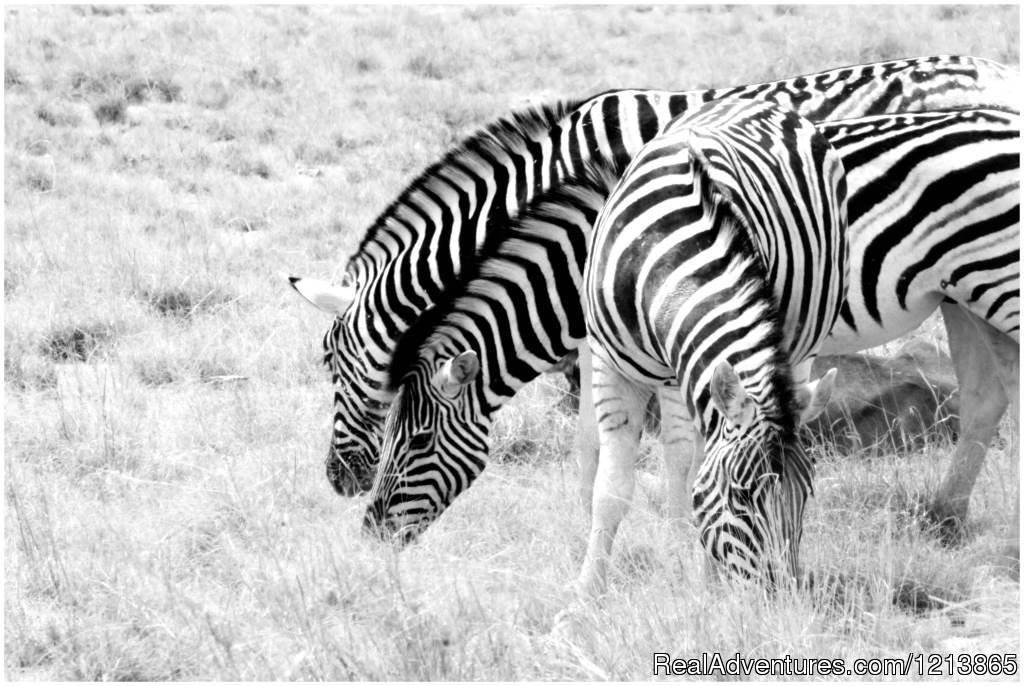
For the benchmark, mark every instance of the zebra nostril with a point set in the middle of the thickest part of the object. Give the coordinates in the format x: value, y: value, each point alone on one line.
x: 364, y: 479
x: 409, y: 534
x: 339, y: 475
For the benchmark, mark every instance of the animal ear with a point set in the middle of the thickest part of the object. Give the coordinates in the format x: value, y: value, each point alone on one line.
x: 458, y: 372
x: 729, y: 396
x: 812, y: 397
x: 333, y: 300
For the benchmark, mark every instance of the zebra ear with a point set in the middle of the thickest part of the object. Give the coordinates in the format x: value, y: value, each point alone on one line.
x: 333, y: 300
x: 458, y: 372
x: 814, y: 396
x: 729, y: 396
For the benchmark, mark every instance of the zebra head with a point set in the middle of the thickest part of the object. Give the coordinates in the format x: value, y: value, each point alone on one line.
x: 361, y: 398
x: 750, y: 491
x: 434, y: 445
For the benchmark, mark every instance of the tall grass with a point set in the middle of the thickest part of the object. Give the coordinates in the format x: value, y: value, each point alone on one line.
x: 166, y: 511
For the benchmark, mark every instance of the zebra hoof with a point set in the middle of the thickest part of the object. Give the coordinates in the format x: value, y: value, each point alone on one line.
x: 949, y: 526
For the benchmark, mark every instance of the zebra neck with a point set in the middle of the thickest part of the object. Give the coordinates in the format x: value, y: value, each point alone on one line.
x: 720, y: 308
x: 420, y: 245
x: 520, y: 303
x: 755, y: 354
x: 506, y: 363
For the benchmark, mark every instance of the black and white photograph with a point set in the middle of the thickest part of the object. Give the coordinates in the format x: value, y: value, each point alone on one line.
x: 512, y: 343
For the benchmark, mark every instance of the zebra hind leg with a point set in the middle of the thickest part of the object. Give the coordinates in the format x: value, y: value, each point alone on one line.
x: 620, y: 406
x: 986, y: 363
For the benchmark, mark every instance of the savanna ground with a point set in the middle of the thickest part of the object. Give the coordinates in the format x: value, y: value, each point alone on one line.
x: 167, y: 515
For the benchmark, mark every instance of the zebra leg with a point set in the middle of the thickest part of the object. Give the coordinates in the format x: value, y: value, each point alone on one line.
x: 587, y: 442
x: 680, y: 451
x: 620, y: 406
x: 981, y: 355
x: 1008, y: 354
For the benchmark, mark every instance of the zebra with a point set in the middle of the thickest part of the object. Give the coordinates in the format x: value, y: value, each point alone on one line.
x: 934, y: 223
x: 417, y: 246
x: 724, y: 198
x: 717, y: 264
x: 438, y: 380
x: 955, y: 246
x: 520, y: 309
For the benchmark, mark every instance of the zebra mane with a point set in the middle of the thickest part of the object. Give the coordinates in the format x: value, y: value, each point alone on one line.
x: 505, y: 134
x: 759, y: 290
x: 544, y: 210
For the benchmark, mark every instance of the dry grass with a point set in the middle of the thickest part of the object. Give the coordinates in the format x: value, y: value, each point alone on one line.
x: 167, y: 515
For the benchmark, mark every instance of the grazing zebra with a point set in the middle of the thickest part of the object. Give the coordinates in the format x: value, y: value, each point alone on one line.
x: 515, y: 314
x: 717, y: 264
x: 519, y: 308
x: 419, y: 245
x: 934, y: 207
x: 774, y: 176
x: 941, y: 229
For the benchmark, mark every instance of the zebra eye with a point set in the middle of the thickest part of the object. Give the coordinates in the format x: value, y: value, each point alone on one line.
x: 420, y: 441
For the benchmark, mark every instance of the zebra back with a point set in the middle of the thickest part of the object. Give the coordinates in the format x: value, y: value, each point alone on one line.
x: 774, y: 177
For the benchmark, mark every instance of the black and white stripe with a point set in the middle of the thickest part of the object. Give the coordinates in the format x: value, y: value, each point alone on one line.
x: 934, y: 214
x: 418, y: 247
x: 435, y: 437
x: 718, y: 264
x: 516, y: 313
x: 520, y: 308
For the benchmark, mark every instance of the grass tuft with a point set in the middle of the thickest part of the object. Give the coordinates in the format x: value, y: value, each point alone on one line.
x: 12, y: 77
x: 425, y: 67
x: 27, y: 370
x: 312, y: 153
x: 112, y: 111
x: 244, y: 165
x: 950, y: 12
x: 78, y: 342
x: 185, y: 303
x: 263, y: 79
x: 140, y: 89
x: 107, y: 10
x: 367, y: 65
x: 63, y: 113
x: 38, y: 173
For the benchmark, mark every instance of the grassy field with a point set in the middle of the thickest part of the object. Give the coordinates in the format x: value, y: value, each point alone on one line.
x: 167, y: 515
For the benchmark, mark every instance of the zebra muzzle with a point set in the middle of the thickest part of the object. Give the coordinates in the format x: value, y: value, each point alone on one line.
x: 347, y: 479
x: 377, y: 524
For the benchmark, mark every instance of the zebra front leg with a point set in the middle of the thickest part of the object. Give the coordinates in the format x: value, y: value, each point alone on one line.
x: 587, y: 440
x: 620, y: 406
x: 680, y: 451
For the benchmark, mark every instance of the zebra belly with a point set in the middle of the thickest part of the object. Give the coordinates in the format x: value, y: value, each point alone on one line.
x: 984, y: 278
x: 895, y: 322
